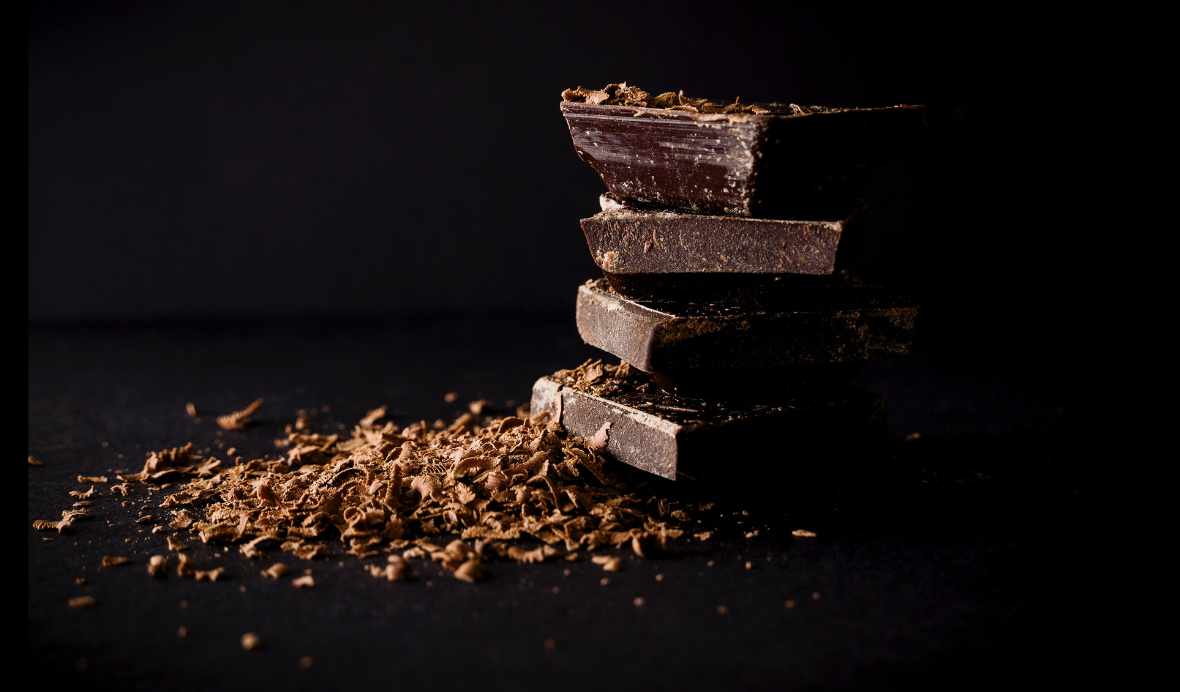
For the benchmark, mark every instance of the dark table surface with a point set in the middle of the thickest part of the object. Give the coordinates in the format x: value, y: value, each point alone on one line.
x: 959, y: 559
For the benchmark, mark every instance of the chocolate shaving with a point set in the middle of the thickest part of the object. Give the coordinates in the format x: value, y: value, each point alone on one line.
x: 82, y: 602
x: 92, y: 479
x: 115, y: 561
x: 34, y: 462
x: 623, y: 95
x: 210, y: 575
x: 238, y: 419
x: 512, y: 488
x: 158, y: 565
x: 304, y: 582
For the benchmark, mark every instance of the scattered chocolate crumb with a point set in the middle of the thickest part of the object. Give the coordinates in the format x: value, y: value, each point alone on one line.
x: 82, y: 495
x: 238, y: 419
x: 304, y: 582
x: 623, y: 95
x: 175, y: 545
x: 815, y: 596
x: 191, y: 409
x: 209, y: 575
x: 550, y: 645
x: 638, y: 602
x: 751, y: 534
x: 913, y: 436
x: 451, y: 397
x: 704, y: 535
x: 183, y: 631
x: 34, y: 462
x: 275, y: 571
x: 158, y: 565
x: 82, y: 602
x: 251, y: 641
x: 120, y: 489
x: 373, y: 416
x: 481, y: 407
x: 801, y: 533
x: 186, y: 567
x: 790, y: 604
x: 605, y: 581
x: 92, y: 479
x: 749, y: 565
x: 80, y: 581
x: 306, y: 662
x: 108, y: 561
x: 722, y: 610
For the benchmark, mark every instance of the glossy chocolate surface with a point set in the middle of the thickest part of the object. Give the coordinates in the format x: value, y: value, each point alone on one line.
x: 786, y: 166
x: 661, y: 255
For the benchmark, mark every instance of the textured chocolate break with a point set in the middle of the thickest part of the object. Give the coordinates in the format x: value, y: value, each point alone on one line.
x: 780, y: 162
x: 841, y: 320
x: 673, y: 436
x: 647, y: 254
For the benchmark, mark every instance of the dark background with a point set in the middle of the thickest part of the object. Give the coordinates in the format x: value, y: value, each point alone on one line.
x: 365, y: 203
x: 249, y: 160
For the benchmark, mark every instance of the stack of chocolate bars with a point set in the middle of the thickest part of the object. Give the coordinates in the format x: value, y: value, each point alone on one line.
x: 724, y: 241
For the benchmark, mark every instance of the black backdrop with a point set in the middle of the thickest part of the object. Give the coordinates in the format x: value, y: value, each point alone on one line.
x: 243, y: 160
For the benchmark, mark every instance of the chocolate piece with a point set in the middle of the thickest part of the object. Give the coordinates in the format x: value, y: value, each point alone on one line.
x: 842, y: 320
x: 779, y: 164
x: 671, y: 255
x: 673, y: 436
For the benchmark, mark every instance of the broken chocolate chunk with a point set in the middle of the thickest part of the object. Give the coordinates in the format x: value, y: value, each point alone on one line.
x: 842, y: 320
x: 665, y: 255
x: 784, y: 162
x: 674, y: 436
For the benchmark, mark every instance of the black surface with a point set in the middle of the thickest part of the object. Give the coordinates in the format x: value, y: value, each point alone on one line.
x: 208, y: 159
x: 965, y: 560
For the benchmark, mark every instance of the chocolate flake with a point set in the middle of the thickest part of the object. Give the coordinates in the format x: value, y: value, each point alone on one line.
x: 108, y: 561
x: 275, y: 571
x: 82, y: 602
x: 238, y: 419
x: 304, y: 582
x: 34, y: 462
x: 92, y: 479
x: 251, y: 641
x: 158, y: 565
x: 209, y: 575
x: 802, y: 533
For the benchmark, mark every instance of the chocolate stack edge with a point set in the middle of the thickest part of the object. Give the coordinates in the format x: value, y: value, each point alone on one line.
x: 674, y: 437
x: 679, y: 256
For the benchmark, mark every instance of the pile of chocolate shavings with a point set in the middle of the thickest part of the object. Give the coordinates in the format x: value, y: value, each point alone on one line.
x: 599, y: 379
x: 482, y: 487
x: 623, y: 95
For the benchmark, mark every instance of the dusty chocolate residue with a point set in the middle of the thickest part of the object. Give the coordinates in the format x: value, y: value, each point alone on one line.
x: 623, y: 95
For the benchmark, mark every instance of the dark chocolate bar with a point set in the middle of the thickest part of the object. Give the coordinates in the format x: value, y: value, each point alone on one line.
x: 779, y: 162
x: 841, y: 320
x: 676, y: 437
x: 672, y: 255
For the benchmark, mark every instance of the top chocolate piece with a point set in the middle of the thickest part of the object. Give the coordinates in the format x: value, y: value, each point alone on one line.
x: 762, y: 160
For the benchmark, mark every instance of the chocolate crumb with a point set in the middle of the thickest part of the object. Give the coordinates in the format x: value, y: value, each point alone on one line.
x: 183, y: 631
x: 34, y: 462
x: 80, y: 581
x: 82, y: 602
x: 115, y: 561
x: 158, y: 565
x: 251, y: 641
x: 92, y: 479
x: 275, y: 571
x: 306, y: 662
x: 238, y: 419
x: 191, y: 409
x: 304, y: 582
x: 803, y: 534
